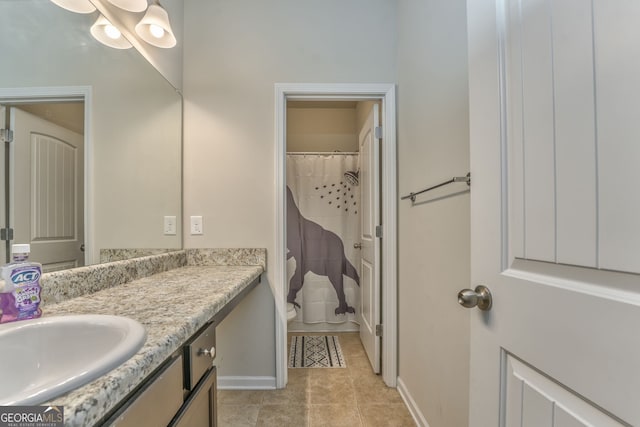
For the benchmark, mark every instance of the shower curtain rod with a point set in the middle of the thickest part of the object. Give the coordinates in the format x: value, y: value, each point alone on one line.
x: 321, y: 153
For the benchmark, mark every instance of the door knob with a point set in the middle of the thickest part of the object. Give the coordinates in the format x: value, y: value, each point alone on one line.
x: 480, y: 297
x: 357, y: 245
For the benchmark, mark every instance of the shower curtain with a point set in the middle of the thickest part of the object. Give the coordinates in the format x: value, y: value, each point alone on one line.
x: 323, y: 223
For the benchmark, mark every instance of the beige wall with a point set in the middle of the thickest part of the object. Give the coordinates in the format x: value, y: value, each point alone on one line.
x: 235, y: 51
x: 229, y: 160
x: 321, y: 129
x: 433, y: 234
x: 138, y: 160
x: 362, y: 112
x: 69, y: 115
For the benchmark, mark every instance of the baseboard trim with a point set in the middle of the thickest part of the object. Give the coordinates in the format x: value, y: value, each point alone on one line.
x: 246, y: 383
x: 411, y: 404
x: 300, y: 328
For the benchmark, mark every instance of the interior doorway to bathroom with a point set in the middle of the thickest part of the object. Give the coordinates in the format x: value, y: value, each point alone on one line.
x: 336, y: 176
x: 42, y: 196
x: 323, y: 216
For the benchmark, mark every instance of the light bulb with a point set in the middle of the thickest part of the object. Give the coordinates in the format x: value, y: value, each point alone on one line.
x: 156, y: 31
x: 108, y: 34
x: 112, y: 32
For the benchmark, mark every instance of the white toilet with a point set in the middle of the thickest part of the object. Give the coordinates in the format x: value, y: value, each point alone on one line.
x: 291, y: 312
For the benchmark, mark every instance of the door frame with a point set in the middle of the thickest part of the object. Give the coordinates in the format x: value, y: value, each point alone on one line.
x: 388, y: 185
x: 26, y: 95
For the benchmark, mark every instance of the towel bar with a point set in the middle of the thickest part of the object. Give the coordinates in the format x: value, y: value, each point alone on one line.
x: 466, y: 179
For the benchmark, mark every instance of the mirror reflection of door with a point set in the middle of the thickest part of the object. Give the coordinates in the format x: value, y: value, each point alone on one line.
x: 47, y: 182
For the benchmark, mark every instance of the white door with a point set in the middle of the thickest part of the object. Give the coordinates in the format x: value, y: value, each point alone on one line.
x: 47, y: 189
x: 555, y: 130
x: 370, y: 261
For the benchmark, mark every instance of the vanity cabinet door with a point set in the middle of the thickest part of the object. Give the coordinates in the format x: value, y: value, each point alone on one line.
x: 200, y: 408
x: 157, y: 402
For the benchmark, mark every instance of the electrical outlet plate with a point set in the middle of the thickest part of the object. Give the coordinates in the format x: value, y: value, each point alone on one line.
x: 170, y: 225
x: 196, y: 225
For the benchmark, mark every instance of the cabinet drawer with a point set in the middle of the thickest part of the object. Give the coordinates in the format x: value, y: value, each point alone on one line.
x: 157, y: 403
x: 197, y: 361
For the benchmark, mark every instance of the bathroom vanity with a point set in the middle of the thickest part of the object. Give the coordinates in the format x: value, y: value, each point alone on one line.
x: 172, y: 378
x: 185, y: 384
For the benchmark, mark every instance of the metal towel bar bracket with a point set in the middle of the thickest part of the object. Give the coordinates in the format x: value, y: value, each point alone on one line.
x: 466, y: 179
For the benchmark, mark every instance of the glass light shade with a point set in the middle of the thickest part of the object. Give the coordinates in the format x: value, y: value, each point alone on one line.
x: 108, y: 35
x: 130, y: 5
x: 149, y: 27
x: 77, y: 6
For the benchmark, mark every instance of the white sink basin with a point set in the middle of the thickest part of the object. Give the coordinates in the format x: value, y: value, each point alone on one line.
x: 44, y: 358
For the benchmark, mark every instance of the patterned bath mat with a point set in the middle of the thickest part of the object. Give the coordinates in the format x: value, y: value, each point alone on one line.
x: 315, y: 352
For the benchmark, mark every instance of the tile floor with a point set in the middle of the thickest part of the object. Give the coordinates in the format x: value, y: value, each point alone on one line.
x: 349, y: 397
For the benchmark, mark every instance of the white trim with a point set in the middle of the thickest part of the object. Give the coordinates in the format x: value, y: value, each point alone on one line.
x: 326, y: 328
x: 389, y: 185
x: 246, y: 383
x: 411, y: 404
x: 280, y: 274
x: 342, y: 91
x: 322, y: 153
x: 59, y: 93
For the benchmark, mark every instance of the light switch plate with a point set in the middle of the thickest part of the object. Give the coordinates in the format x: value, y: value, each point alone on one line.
x: 196, y: 225
x: 169, y: 225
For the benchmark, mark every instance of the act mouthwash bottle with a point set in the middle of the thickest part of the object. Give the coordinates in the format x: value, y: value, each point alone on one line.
x: 20, y: 292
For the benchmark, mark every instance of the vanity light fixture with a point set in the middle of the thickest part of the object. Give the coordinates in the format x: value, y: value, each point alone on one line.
x: 155, y: 29
x: 77, y: 6
x: 108, y: 34
x: 130, y: 5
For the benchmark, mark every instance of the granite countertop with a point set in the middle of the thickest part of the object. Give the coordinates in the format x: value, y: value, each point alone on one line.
x: 171, y: 305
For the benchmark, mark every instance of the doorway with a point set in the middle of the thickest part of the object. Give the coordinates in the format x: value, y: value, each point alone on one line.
x: 45, y: 185
x: 323, y: 215
x: 384, y: 231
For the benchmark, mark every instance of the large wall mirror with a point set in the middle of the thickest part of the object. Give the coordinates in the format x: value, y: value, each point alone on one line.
x: 95, y: 160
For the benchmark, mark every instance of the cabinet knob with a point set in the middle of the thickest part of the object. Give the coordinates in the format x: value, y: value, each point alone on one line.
x: 207, y: 352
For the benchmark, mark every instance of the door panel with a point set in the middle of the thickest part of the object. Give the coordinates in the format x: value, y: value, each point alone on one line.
x: 370, y: 260
x: 575, y: 142
x: 54, y: 196
x: 558, y: 145
x: 537, y: 401
x: 555, y: 348
x: 537, y: 132
x: 551, y: 128
x: 618, y: 133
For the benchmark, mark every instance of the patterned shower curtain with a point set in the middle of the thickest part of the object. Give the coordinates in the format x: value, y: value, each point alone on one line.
x: 323, y: 223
